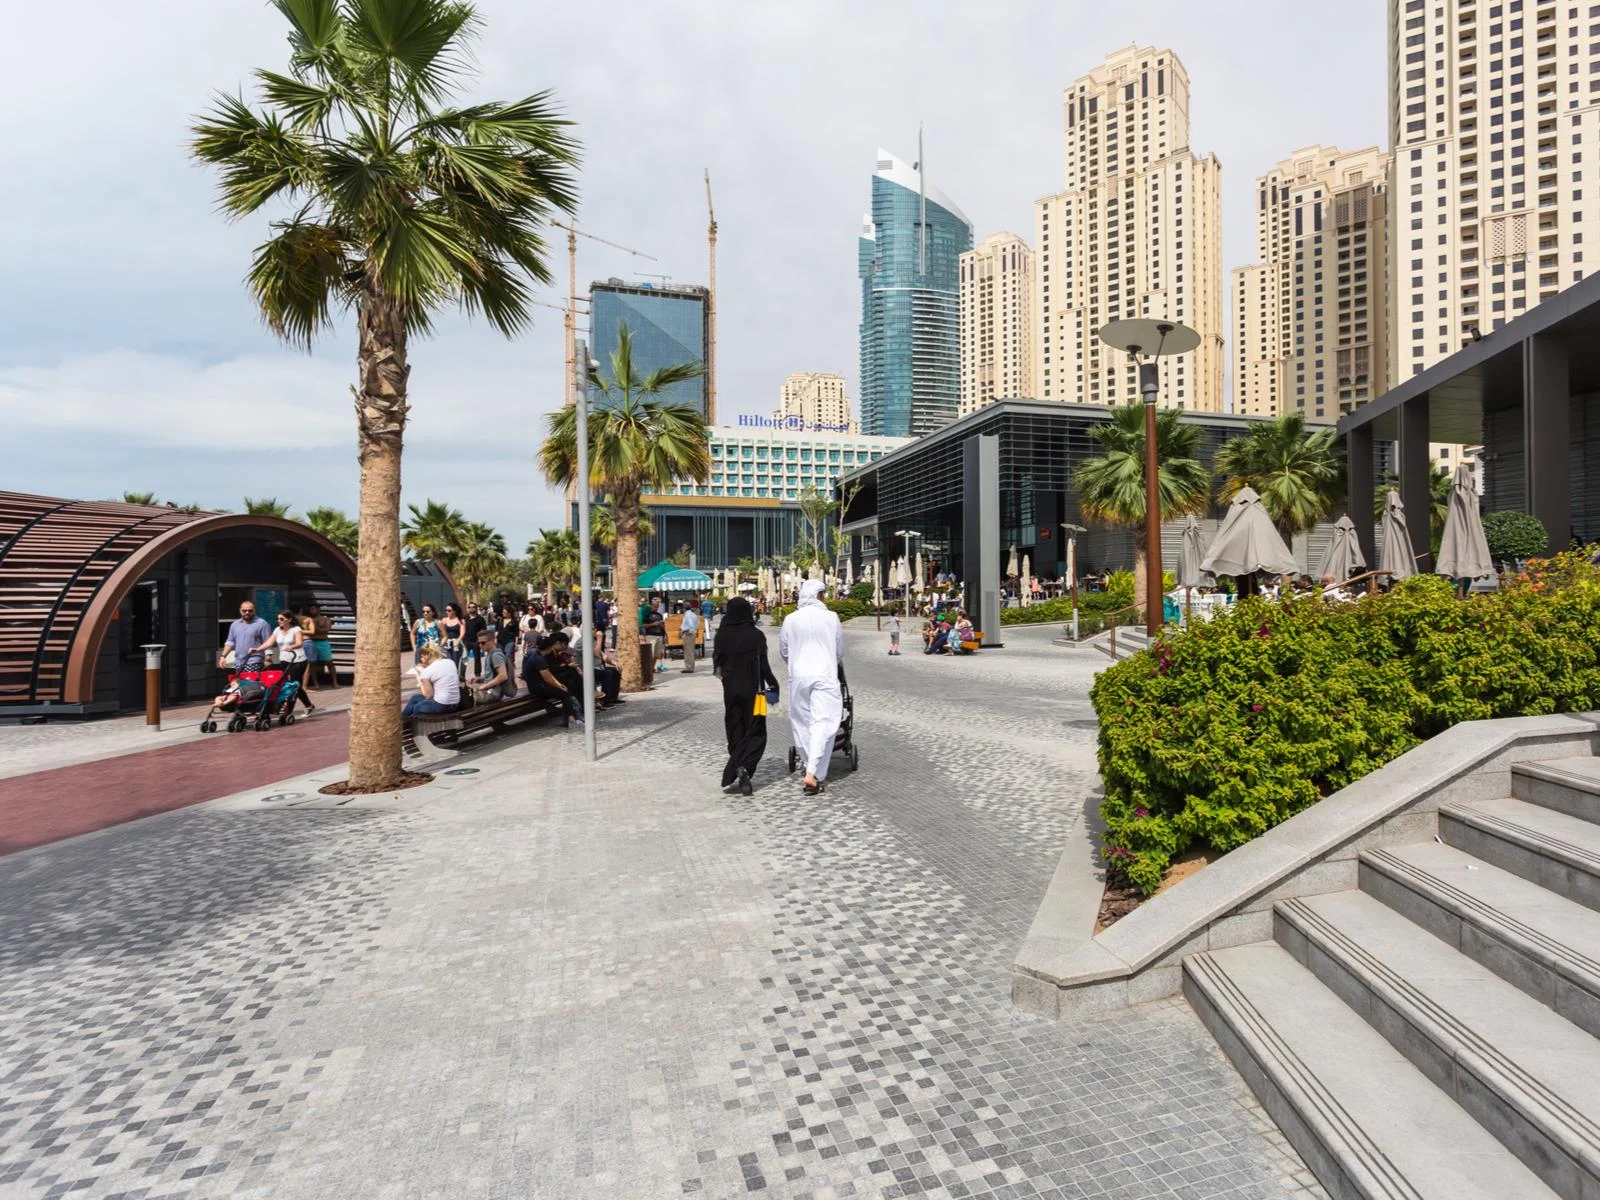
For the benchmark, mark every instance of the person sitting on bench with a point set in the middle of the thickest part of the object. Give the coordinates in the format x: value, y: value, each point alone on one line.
x: 962, y: 636
x: 491, y: 676
x: 441, y: 685
x: 543, y: 683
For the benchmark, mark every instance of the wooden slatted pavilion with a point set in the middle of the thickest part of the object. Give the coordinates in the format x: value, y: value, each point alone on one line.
x: 74, y: 573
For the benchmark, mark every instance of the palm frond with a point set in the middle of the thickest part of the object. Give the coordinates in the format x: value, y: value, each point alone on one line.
x: 306, y: 104
x: 295, y: 277
x: 422, y: 42
x: 259, y: 156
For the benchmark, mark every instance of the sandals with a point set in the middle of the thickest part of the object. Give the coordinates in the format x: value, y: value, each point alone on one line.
x: 815, y: 789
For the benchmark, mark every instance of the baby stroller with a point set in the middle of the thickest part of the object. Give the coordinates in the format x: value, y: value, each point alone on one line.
x: 844, y: 742
x: 254, y: 696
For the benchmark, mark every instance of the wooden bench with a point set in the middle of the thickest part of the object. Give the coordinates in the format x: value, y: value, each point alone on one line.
x: 974, y: 645
x: 674, y: 626
x: 446, y: 729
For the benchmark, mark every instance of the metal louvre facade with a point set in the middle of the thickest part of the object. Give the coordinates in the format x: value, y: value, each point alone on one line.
x: 1040, y: 445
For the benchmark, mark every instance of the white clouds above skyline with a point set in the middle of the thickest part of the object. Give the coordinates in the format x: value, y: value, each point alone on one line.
x: 129, y: 353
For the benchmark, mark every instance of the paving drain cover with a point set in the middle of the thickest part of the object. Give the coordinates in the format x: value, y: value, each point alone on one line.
x: 463, y: 771
x: 280, y: 797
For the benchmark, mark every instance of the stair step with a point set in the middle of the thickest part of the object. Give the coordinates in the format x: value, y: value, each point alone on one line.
x: 1544, y: 944
x: 1527, y: 1075
x: 1569, y: 785
x: 1367, y: 1122
x: 1553, y: 849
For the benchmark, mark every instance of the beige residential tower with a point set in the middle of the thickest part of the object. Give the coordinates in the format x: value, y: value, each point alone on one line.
x: 1136, y: 233
x: 815, y: 398
x: 997, y: 322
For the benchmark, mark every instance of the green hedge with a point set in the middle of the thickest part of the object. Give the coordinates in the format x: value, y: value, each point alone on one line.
x: 845, y: 608
x: 1224, y: 730
x: 1514, y: 535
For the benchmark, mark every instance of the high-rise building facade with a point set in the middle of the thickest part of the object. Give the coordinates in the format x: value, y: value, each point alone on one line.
x: 1310, y: 328
x: 910, y: 305
x: 997, y: 322
x: 815, y: 400
x: 668, y: 327
x: 1494, y: 122
x: 1136, y: 233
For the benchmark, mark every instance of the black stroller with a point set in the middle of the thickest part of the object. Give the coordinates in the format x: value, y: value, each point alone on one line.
x: 844, y: 741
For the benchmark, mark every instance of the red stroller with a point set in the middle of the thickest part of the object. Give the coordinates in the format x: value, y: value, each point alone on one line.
x: 254, y: 696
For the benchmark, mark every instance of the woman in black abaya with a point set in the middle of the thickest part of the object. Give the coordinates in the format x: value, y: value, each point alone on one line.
x: 740, y: 659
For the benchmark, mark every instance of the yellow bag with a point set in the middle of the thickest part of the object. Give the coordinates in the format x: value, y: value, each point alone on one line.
x: 761, y: 704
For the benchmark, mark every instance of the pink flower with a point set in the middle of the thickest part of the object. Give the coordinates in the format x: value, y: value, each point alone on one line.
x: 1255, y: 708
x: 1141, y: 812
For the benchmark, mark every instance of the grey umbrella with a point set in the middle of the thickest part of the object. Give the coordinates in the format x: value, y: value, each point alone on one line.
x: 1396, y: 557
x: 1248, y: 541
x: 1463, y: 550
x: 1344, y: 559
x: 1191, y: 552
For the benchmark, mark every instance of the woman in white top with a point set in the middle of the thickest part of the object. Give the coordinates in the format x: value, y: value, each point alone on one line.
x: 288, y: 639
x: 440, y: 683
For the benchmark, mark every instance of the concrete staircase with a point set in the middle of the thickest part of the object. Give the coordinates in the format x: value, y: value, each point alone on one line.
x: 1130, y: 640
x: 1436, y: 1032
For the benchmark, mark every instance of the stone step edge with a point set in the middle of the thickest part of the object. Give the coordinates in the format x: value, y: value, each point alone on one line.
x: 1572, y: 965
x: 1587, y: 785
x: 1563, y: 1123
x: 1325, y: 1119
x: 1563, y: 851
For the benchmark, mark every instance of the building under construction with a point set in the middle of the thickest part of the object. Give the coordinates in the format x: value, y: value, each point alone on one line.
x: 669, y: 327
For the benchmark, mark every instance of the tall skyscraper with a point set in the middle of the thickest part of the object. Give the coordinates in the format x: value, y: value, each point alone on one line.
x: 1136, y: 233
x: 1310, y: 319
x: 1496, y: 132
x: 997, y: 318
x: 816, y: 400
x: 668, y: 327
x: 910, y: 306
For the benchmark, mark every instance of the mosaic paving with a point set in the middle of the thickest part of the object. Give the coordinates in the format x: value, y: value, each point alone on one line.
x: 544, y: 980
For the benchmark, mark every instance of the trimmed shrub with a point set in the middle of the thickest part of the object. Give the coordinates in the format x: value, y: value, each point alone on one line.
x: 1515, y: 535
x: 1224, y: 730
x: 861, y: 593
x: 845, y: 608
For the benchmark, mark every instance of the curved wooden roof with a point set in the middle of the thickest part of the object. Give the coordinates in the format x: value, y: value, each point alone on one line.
x: 67, y: 565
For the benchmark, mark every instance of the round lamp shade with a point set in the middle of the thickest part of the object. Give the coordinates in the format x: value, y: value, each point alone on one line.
x: 1140, y: 335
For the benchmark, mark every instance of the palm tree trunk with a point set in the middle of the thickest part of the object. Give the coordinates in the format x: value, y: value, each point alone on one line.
x: 380, y: 419
x: 625, y: 587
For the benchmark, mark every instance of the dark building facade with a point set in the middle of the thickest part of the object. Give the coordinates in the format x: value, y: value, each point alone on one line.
x: 1528, y: 393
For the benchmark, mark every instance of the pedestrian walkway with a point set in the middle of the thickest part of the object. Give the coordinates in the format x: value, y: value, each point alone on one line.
x: 552, y: 979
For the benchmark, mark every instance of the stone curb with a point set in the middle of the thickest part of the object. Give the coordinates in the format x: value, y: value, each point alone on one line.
x: 1059, y: 975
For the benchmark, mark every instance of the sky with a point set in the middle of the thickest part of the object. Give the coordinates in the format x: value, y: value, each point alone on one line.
x: 131, y: 357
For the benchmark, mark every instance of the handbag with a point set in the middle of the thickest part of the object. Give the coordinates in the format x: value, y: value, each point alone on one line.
x: 764, y: 695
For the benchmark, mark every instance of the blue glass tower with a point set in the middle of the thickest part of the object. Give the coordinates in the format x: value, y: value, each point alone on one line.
x: 910, y: 305
x: 668, y: 325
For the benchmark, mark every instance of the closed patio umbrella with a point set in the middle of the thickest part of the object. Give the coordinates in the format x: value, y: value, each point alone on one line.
x: 1396, y: 557
x: 1027, y: 580
x: 916, y: 581
x: 1463, y: 550
x: 1248, y: 542
x: 1011, y: 564
x: 1344, y: 559
x: 1191, y: 553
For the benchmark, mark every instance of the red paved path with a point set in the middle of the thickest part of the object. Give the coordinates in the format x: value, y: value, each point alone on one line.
x: 47, y: 806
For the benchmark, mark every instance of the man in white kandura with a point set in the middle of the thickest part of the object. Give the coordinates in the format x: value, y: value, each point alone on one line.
x: 811, y: 640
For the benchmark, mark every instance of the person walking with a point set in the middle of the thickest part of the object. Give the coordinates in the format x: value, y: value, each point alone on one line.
x: 289, y: 641
x: 740, y: 659
x: 245, y: 639
x: 689, y: 632
x: 894, y: 634
x: 811, y: 641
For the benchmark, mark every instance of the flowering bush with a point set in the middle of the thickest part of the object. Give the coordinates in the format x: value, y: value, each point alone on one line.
x: 1224, y: 730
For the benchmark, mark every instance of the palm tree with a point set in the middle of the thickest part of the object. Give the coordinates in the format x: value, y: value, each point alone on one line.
x: 555, y: 559
x: 269, y: 507
x: 480, y: 557
x: 1111, y: 488
x: 332, y: 524
x: 1299, y: 475
x: 138, y: 497
x: 637, y: 443
x: 603, y: 524
x: 399, y: 205
x: 434, y: 531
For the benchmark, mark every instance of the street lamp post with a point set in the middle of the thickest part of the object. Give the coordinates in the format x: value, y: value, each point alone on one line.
x: 1145, y: 341
x: 586, y: 562
x: 907, y: 535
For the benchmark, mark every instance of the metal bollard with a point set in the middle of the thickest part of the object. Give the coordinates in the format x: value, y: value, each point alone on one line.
x: 152, y: 684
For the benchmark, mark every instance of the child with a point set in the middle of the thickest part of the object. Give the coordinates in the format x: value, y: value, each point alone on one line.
x: 894, y: 633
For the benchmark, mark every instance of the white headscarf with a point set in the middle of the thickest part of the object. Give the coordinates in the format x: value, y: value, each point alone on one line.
x: 810, y: 590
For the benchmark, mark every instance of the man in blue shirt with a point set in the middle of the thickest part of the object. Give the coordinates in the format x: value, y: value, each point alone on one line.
x: 247, y: 636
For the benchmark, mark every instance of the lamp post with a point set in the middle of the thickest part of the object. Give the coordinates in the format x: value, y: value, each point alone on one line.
x: 585, y: 560
x: 152, y: 685
x: 907, y: 535
x: 1145, y: 341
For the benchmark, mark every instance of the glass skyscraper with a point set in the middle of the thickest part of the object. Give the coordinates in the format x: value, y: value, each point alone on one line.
x: 668, y: 325
x: 910, y: 309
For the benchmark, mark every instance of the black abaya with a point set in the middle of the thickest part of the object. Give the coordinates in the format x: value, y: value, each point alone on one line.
x: 740, y: 658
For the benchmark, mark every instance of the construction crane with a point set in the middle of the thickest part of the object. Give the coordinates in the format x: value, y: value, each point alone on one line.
x: 711, y: 308
x: 569, y: 391
x: 665, y: 279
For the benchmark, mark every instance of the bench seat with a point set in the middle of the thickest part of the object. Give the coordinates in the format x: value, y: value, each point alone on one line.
x: 446, y: 729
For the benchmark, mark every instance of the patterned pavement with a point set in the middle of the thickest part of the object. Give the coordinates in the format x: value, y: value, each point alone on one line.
x: 545, y: 979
